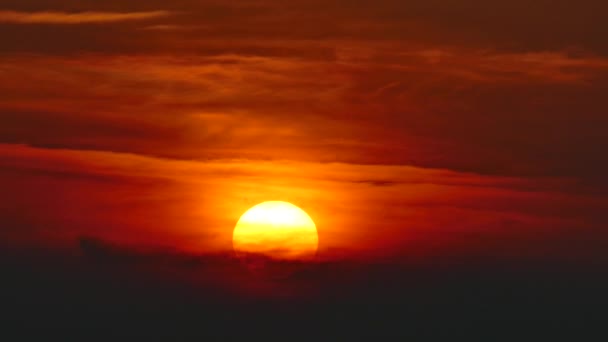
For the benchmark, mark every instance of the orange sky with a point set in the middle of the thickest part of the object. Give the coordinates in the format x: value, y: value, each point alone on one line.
x: 402, y: 127
x: 361, y: 211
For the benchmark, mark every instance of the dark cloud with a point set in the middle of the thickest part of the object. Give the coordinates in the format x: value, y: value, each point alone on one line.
x: 516, y: 25
x: 59, y: 130
x: 470, y: 297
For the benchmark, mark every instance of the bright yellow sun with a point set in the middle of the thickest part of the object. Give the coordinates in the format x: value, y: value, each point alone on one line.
x: 279, y: 230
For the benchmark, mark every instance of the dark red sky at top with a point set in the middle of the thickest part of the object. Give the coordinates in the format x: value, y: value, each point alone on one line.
x: 402, y: 127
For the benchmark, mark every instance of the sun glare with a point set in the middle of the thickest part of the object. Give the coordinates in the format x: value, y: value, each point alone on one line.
x: 279, y: 230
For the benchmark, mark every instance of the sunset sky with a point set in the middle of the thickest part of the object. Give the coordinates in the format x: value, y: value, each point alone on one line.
x: 409, y: 130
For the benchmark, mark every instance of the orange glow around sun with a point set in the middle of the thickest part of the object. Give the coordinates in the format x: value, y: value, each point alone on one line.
x: 279, y: 230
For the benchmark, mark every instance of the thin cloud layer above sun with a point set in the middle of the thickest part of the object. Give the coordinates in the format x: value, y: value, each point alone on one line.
x: 367, y: 105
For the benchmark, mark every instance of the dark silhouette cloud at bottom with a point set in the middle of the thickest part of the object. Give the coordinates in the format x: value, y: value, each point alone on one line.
x: 109, y: 291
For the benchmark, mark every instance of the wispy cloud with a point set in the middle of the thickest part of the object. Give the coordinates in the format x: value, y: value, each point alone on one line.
x: 52, y: 17
x: 425, y: 101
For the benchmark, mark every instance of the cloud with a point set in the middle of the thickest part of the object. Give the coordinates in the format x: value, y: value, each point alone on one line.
x: 436, y: 106
x: 52, y: 17
x: 358, y: 86
x: 195, y: 203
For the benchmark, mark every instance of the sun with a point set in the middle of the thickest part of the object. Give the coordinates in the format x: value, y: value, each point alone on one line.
x: 275, y: 229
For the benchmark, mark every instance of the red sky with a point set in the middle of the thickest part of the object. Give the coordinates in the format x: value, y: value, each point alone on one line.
x: 403, y: 127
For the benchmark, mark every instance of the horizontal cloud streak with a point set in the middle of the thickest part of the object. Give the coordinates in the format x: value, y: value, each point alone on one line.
x: 195, y: 204
x: 52, y: 17
x: 440, y: 107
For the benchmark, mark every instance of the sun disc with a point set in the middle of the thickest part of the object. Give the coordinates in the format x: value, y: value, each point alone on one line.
x: 275, y: 229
